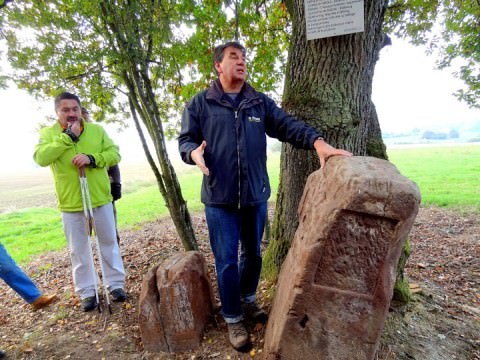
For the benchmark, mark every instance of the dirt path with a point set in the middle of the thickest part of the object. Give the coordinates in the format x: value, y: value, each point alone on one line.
x: 443, y: 321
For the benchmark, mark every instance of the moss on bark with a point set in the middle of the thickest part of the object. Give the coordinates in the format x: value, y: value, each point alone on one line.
x: 401, y: 290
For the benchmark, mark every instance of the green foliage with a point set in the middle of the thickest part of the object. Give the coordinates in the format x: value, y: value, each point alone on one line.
x: 451, y: 28
x: 148, y: 57
x: 87, y: 46
x: 4, y: 3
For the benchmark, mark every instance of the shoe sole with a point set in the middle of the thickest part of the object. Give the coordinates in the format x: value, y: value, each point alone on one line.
x: 244, y: 348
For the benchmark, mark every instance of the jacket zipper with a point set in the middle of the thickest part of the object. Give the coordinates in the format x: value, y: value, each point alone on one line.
x: 238, y: 158
x: 236, y: 111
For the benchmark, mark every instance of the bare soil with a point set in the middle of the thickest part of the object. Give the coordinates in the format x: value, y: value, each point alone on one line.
x: 442, y: 321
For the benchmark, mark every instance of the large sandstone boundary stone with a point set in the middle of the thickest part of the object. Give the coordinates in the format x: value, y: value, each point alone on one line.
x: 175, y: 304
x: 336, y: 283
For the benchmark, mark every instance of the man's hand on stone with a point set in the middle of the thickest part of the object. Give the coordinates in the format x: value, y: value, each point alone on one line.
x: 197, y: 157
x: 81, y: 160
x: 324, y: 151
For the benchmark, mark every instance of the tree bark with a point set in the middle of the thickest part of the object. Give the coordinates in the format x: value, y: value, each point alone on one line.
x: 142, y: 100
x: 136, y: 76
x: 328, y: 85
x: 171, y: 193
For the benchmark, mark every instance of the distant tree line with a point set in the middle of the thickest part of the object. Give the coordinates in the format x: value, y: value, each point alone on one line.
x: 437, y: 135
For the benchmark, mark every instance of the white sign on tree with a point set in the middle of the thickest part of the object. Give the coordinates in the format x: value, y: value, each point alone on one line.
x: 325, y: 18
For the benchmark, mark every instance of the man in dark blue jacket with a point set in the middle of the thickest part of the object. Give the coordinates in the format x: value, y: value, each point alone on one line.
x: 223, y: 133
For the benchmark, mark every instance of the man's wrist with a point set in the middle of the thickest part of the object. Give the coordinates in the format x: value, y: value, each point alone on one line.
x: 93, y: 163
x: 71, y: 134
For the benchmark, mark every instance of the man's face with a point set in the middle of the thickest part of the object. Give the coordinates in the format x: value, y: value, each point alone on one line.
x: 68, y: 112
x: 233, y: 67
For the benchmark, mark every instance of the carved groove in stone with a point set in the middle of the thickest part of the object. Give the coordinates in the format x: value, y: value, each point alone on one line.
x: 353, y: 252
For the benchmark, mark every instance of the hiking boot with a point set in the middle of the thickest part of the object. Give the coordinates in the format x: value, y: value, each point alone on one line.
x: 3, y: 354
x: 118, y: 295
x: 89, y: 303
x: 238, y: 336
x: 254, y: 313
x: 43, y: 300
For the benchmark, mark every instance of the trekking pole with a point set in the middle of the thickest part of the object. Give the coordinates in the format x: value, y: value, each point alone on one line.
x: 92, y: 232
x: 88, y: 224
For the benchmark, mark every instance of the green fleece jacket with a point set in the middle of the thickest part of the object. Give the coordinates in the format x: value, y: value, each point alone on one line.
x: 57, y: 150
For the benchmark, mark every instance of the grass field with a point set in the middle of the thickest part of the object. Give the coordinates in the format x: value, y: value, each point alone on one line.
x: 446, y: 176
x: 29, y: 223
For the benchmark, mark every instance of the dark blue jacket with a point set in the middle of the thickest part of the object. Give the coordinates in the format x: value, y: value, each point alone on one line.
x: 236, y: 153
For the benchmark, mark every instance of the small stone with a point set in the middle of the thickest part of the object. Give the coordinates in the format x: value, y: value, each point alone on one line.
x: 175, y: 304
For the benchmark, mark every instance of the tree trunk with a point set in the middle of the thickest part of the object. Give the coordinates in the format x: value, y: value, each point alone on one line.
x: 136, y: 75
x: 401, y: 290
x: 169, y: 189
x: 328, y: 85
x: 142, y: 100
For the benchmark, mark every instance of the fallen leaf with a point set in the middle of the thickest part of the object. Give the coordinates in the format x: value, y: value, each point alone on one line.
x: 258, y: 327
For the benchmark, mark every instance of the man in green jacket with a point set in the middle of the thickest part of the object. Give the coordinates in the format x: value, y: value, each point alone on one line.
x: 67, y: 146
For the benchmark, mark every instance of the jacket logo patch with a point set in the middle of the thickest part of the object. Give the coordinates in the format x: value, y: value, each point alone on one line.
x: 254, y: 119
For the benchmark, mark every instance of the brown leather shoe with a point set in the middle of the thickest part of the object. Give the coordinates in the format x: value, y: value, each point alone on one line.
x: 43, y: 300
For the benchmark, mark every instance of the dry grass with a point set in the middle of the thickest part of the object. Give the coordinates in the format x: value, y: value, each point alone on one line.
x: 26, y: 189
x: 35, y: 188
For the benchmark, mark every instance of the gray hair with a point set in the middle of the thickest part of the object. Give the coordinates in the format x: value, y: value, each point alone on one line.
x: 219, y: 51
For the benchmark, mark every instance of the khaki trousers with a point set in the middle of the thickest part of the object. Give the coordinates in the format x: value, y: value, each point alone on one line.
x: 75, y: 230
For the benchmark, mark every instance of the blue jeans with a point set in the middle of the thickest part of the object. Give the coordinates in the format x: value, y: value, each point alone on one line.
x: 237, y: 280
x: 16, y: 278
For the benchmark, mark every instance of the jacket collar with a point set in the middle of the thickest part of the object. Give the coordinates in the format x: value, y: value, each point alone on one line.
x: 215, y: 91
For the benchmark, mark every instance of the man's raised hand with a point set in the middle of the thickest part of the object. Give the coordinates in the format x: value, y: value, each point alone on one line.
x: 76, y: 128
x: 197, y: 157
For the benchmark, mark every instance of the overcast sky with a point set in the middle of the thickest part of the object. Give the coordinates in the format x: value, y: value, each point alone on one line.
x: 408, y: 93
